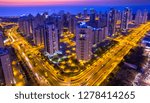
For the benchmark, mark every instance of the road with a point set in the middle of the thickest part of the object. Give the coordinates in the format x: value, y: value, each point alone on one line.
x: 20, y: 81
x: 30, y: 56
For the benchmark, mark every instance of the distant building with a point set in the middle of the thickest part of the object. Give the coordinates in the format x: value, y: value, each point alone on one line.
x: 92, y: 21
x: 138, y: 17
x: 102, y: 22
x: 65, y: 22
x: 51, y: 42
x: 145, y: 16
x: 1, y: 40
x: 96, y: 35
x: 111, y: 22
x: 5, y: 64
x: 125, y: 19
x: 104, y: 32
x: 118, y: 15
x: 39, y: 20
x: 72, y: 24
x: 26, y: 25
x: 38, y: 28
x: 39, y: 35
x: 85, y: 13
x: 56, y: 19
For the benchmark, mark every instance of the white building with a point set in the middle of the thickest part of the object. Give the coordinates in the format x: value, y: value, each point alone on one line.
x: 84, y: 43
x: 88, y: 37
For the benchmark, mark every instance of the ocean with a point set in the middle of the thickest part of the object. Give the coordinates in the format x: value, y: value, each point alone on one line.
x: 18, y: 11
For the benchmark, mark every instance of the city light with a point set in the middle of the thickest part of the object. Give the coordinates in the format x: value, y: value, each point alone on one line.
x: 62, y: 48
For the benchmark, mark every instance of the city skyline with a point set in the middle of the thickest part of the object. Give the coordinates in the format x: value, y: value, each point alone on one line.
x: 72, y: 2
x: 25, y: 10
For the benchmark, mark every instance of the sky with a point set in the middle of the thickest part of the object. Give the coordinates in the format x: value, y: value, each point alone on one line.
x: 72, y: 2
x: 20, y: 7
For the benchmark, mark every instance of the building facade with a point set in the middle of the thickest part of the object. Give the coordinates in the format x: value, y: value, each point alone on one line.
x: 138, y: 17
x: 125, y: 19
x: 84, y: 43
x: 39, y: 35
x: 111, y: 22
x: 1, y: 40
x: 5, y: 64
x: 26, y: 25
x: 51, y: 42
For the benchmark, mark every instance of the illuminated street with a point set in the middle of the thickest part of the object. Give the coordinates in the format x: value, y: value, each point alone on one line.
x: 92, y: 75
x: 81, y: 46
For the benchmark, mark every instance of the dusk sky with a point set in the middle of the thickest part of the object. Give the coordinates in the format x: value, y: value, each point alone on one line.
x: 19, y: 7
x: 72, y: 2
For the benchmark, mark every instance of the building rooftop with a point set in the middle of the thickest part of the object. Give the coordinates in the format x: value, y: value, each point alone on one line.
x: 83, y: 25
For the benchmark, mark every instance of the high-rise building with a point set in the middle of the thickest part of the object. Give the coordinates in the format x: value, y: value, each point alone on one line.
x: 98, y: 34
x: 1, y: 40
x: 104, y: 32
x: 125, y: 19
x: 118, y: 15
x: 23, y: 26
x: 145, y: 16
x: 138, y: 17
x: 131, y: 16
x: 111, y: 22
x: 72, y: 24
x: 39, y: 20
x: 92, y: 21
x: 62, y: 22
x: 51, y: 42
x: 85, y: 12
x: 83, y: 43
x: 38, y: 28
x: 65, y: 22
x: 30, y: 21
x: 56, y: 19
x: 102, y: 20
x: 5, y: 64
x: 26, y: 25
x: 39, y: 35
x: 87, y: 38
